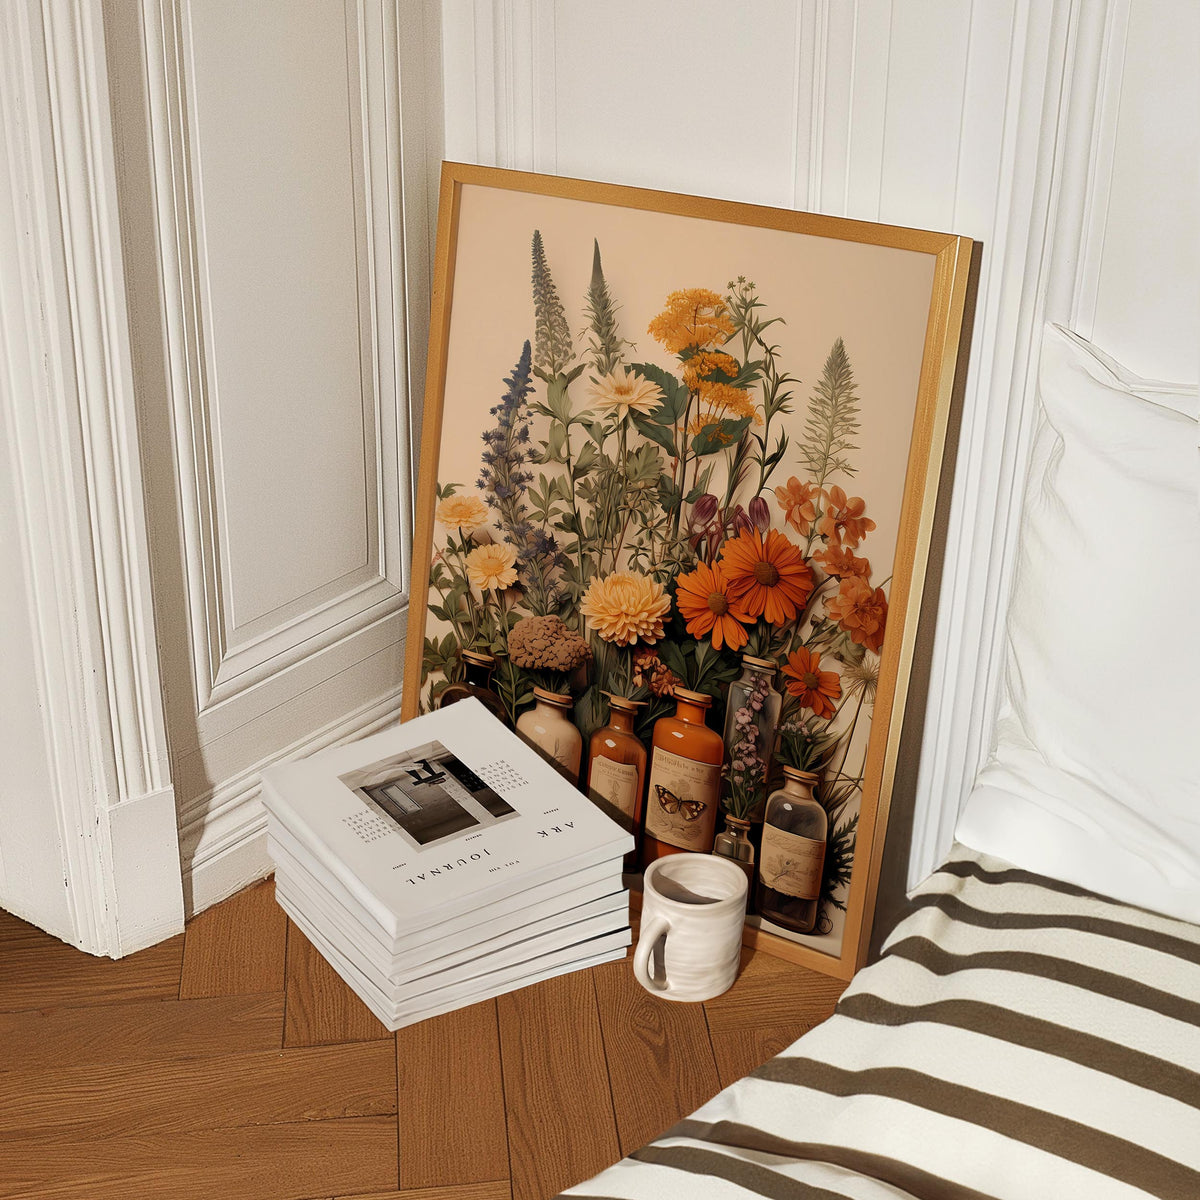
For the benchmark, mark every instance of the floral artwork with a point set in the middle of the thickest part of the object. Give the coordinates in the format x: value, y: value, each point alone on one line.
x: 625, y: 503
x: 655, y: 484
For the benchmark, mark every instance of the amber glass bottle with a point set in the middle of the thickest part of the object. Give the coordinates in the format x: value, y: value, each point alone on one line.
x: 478, y: 668
x: 685, y: 780
x: 616, y: 777
x: 793, y: 854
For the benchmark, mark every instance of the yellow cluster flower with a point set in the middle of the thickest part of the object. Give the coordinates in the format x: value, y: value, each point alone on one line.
x: 706, y: 362
x: 694, y: 318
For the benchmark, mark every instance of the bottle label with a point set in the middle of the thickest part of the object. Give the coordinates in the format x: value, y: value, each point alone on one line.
x: 615, y: 782
x: 682, y: 805
x: 791, y: 864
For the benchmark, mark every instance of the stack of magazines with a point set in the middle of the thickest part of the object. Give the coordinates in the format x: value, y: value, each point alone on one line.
x: 442, y: 862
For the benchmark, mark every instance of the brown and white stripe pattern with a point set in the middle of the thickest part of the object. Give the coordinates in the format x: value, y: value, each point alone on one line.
x: 1020, y: 1039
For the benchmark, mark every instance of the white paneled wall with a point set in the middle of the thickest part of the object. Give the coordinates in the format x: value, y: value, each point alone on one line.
x: 1045, y: 129
x: 216, y: 213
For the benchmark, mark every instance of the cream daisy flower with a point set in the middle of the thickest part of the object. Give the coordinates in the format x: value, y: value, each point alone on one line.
x: 621, y: 390
x: 492, y: 566
x: 466, y: 513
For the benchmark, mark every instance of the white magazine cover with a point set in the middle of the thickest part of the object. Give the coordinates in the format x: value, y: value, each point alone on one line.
x: 607, y: 915
x: 459, y: 932
x: 600, y: 887
x: 443, y: 815
x: 397, y: 1015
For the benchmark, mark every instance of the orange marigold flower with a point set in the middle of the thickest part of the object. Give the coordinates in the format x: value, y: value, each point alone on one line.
x: 693, y: 318
x: 814, y: 688
x: 704, y: 603
x: 796, y: 500
x: 492, y: 566
x: 625, y: 607
x: 839, y: 561
x: 767, y: 576
x: 861, y: 611
x: 843, y: 519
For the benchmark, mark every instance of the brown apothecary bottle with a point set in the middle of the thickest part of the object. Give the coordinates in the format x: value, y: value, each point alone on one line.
x: 793, y: 854
x: 616, y: 775
x: 477, y: 669
x: 685, y: 780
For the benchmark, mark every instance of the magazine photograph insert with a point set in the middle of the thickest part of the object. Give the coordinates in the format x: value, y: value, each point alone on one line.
x: 429, y: 794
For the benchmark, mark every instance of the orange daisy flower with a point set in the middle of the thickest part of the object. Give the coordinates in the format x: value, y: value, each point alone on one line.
x: 704, y: 603
x: 839, y: 561
x: 796, y: 500
x: 767, y: 576
x: 861, y: 611
x: 814, y: 688
x: 843, y: 518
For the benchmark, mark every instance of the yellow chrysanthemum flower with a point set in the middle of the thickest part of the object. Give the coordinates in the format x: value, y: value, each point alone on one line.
x: 625, y: 608
x: 492, y: 566
x: 694, y: 317
x: 466, y: 513
x: 621, y: 390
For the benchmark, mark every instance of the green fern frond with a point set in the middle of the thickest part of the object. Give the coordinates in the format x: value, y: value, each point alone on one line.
x: 839, y: 859
x: 553, y: 348
x: 832, y: 423
x: 606, y: 342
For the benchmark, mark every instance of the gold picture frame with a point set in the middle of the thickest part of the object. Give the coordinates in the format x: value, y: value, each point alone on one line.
x: 858, y: 325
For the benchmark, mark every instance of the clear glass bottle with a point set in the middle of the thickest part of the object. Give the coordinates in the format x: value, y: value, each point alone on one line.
x: 477, y: 682
x: 685, y: 780
x: 754, y: 689
x: 616, y: 776
x: 548, y: 728
x: 793, y: 854
x: 732, y: 842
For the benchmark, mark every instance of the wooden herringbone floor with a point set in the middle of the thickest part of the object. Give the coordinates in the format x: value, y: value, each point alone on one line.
x: 231, y: 1061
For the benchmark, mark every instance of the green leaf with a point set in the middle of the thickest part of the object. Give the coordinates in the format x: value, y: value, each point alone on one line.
x: 664, y: 435
x: 585, y: 460
x: 675, y: 395
x: 557, y: 400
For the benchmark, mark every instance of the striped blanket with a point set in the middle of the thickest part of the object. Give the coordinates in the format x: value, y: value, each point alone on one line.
x: 1020, y: 1039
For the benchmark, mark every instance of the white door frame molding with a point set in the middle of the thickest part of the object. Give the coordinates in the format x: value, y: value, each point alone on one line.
x: 84, y: 531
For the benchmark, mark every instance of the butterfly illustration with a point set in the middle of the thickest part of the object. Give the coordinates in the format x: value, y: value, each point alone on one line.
x: 689, y: 809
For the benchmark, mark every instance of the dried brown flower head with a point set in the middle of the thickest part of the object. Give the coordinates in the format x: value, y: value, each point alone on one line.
x: 546, y: 644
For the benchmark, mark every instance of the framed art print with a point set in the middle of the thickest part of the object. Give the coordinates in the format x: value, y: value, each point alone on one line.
x: 663, y: 433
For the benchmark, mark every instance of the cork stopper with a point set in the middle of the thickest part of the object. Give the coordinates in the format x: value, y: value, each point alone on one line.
x: 801, y: 776
x: 553, y: 697
x: 701, y: 698
x: 759, y: 664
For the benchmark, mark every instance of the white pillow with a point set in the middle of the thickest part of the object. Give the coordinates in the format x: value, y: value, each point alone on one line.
x: 1095, y: 777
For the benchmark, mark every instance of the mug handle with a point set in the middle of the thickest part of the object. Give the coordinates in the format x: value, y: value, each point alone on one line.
x: 647, y: 939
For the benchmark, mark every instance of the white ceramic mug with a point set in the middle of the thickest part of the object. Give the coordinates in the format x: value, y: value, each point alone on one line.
x: 693, y: 910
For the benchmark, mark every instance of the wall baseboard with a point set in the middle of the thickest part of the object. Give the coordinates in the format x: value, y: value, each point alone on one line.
x: 224, y: 848
x: 142, y: 851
